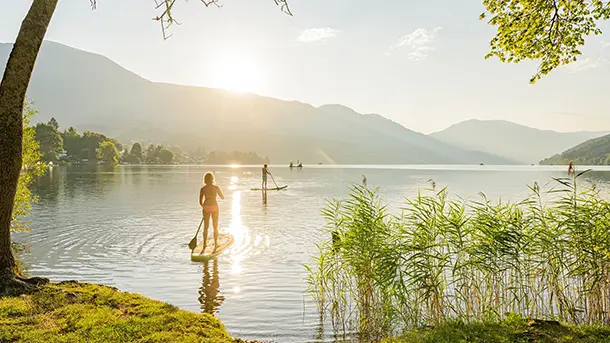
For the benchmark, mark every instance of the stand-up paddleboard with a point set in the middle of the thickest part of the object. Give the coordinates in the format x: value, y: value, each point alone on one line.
x: 225, y: 240
x: 270, y: 189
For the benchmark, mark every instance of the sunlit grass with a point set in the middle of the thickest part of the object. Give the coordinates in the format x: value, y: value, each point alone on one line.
x: 473, y: 261
x: 78, y: 312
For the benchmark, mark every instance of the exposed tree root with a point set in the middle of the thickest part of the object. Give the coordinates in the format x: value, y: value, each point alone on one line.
x: 16, y: 285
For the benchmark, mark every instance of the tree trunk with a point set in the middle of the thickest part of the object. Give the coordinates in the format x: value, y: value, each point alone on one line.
x: 12, y: 97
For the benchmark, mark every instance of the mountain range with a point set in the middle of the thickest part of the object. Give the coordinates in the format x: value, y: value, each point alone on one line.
x: 90, y: 92
x: 518, y: 143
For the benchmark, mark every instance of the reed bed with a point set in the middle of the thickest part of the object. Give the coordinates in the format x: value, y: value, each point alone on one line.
x: 546, y: 257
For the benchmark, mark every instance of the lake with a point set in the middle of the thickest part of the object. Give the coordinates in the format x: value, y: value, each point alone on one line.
x: 128, y: 226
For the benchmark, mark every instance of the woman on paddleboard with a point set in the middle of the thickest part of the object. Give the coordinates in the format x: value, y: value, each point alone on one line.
x: 207, y: 200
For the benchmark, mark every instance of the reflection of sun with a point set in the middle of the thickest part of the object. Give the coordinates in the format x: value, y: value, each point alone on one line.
x: 234, y: 181
x: 236, y: 73
x: 239, y: 232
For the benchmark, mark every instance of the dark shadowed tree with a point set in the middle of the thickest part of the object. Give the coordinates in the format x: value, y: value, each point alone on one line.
x: 90, y: 142
x: 72, y: 142
x: 50, y: 141
x: 549, y: 31
x: 157, y: 150
x: 53, y: 122
x: 136, y: 150
x: 166, y: 156
x: 13, y: 89
x: 150, y: 154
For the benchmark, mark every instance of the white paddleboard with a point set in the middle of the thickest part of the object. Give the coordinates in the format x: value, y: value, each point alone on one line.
x: 225, y: 240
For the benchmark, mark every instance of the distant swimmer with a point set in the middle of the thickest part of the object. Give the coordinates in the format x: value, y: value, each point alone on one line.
x: 363, y: 180
x: 207, y: 200
x: 571, y: 170
x: 265, y: 173
x: 291, y: 165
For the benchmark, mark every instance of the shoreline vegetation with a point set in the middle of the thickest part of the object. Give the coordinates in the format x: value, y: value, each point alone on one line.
x: 90, y: 148
x: 74, y: 312
x: 443, y: 260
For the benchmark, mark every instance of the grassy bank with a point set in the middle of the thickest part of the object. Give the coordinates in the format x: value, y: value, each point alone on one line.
x: 512, y: 331
x: 79, y: 312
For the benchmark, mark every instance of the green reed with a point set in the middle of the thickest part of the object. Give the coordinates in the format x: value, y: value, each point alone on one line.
x: 546, y: 257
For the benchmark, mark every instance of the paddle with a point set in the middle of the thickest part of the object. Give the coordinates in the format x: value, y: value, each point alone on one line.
x: 193, y: 242
x: 276, y: 186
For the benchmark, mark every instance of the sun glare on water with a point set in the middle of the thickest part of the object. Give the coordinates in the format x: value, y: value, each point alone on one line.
x: 236, y: 73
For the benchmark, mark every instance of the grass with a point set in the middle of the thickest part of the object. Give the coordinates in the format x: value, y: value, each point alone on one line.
x: 510, y: 331
x: 78, y: 312
x: 442, y: 260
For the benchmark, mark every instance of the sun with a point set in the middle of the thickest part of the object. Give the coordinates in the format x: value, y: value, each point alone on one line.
x: 236, y: 73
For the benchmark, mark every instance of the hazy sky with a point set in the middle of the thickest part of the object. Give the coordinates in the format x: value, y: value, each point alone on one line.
x: 419, y: 63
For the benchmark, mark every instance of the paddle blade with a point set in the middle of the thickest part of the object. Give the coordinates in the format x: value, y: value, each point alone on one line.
x: 193, y: 243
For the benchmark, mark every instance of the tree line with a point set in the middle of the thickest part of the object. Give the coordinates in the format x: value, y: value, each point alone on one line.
x: 92, y: 147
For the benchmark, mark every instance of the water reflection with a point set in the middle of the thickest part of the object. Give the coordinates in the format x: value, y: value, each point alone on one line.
x: 240, y: 234
x: 209, y: 297
x: 50, y: 185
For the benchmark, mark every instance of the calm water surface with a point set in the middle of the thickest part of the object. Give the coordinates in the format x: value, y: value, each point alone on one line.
x: 128, y: 227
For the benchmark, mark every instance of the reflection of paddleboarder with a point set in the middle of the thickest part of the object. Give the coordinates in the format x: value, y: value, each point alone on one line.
x: 265, y: 173
x: 208, y: 293
x: 571, y: 169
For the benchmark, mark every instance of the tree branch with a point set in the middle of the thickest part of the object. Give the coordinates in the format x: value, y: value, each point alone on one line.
x: 166, y: 19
